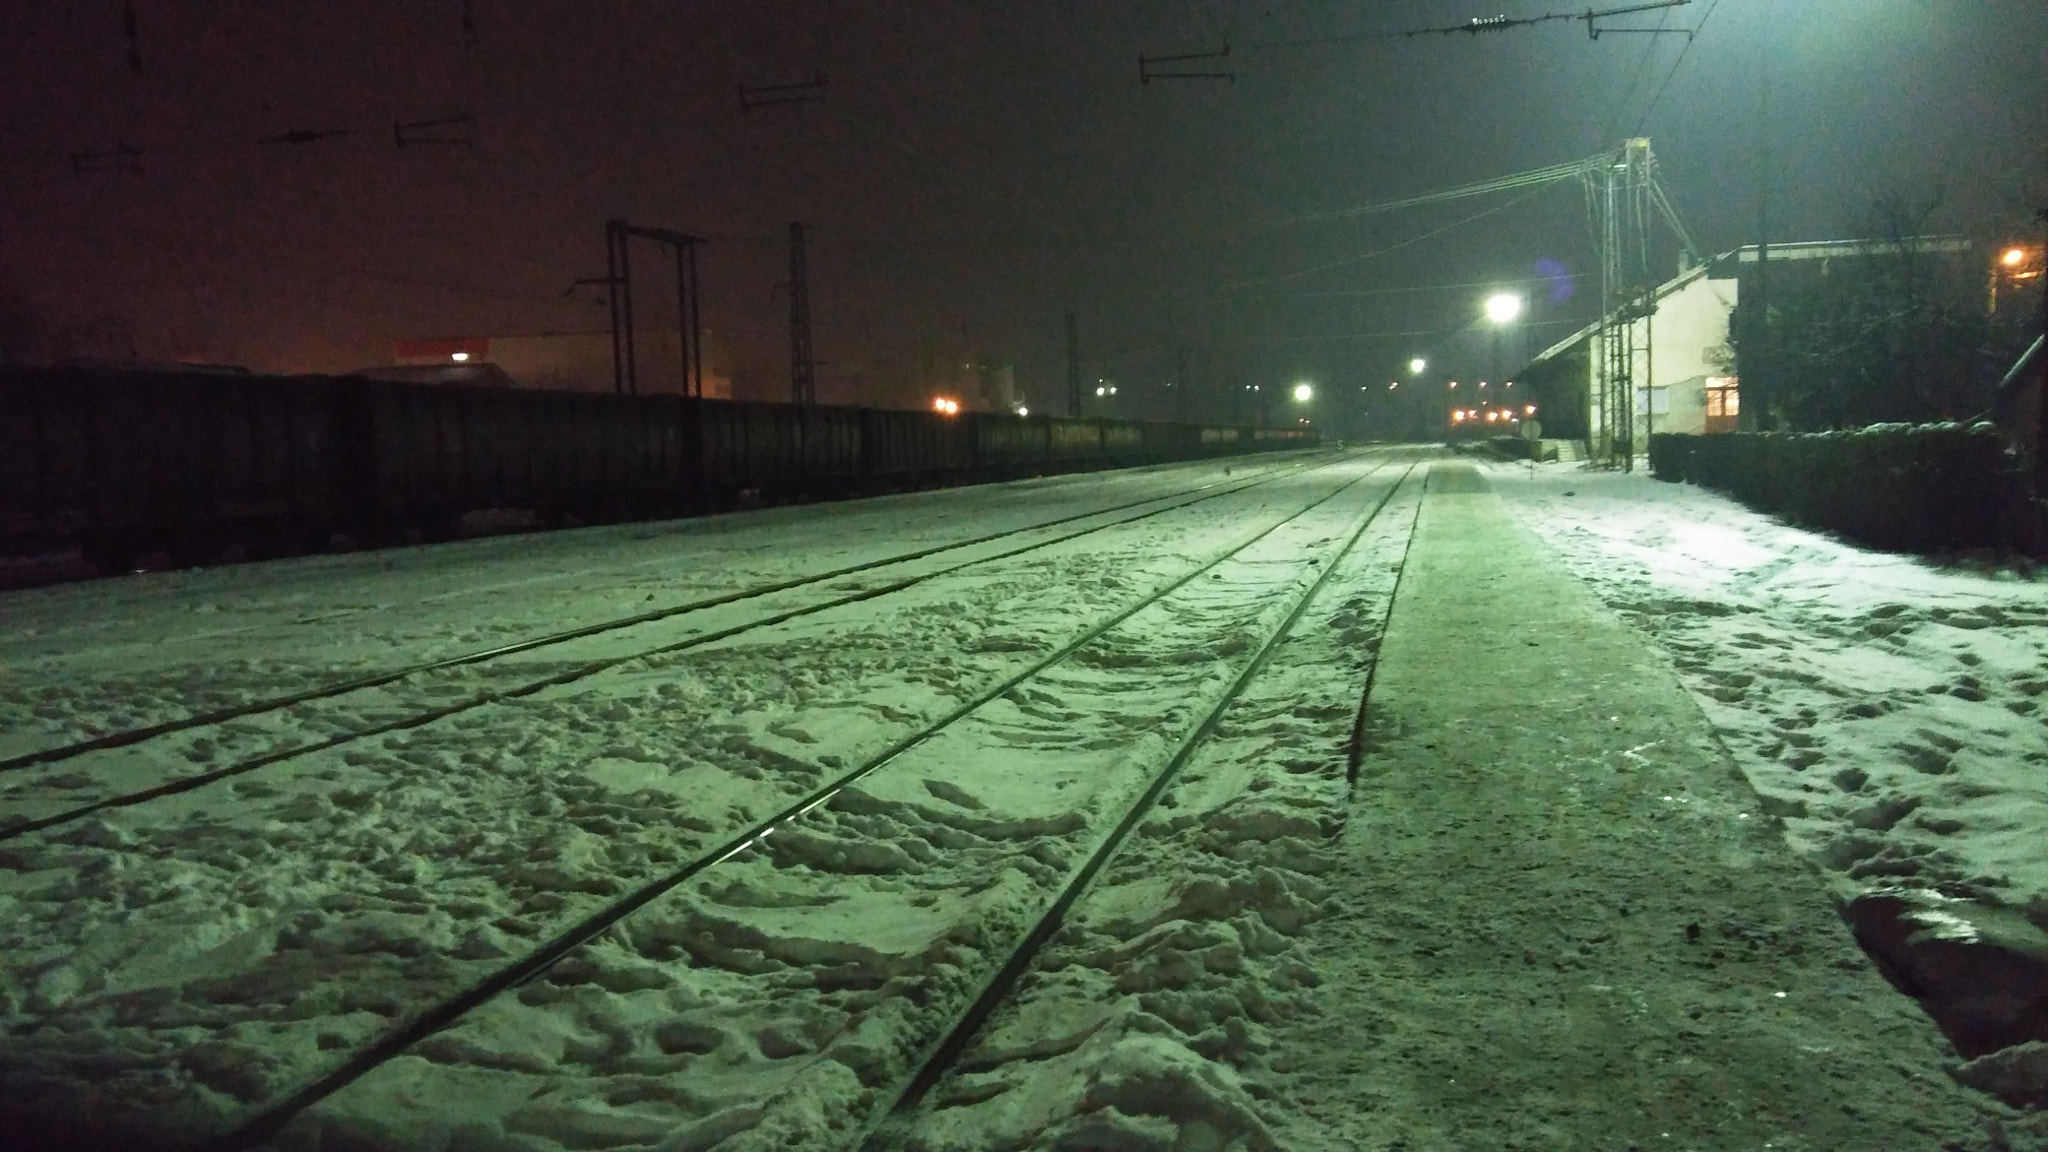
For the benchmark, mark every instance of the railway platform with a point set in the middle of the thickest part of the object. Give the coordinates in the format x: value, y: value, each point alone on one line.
x: 1563, y: 921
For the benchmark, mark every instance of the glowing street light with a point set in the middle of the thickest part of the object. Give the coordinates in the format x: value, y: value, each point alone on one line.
x: 1304, y: 392
x: 1503, y: 307
x: 2014, y: 257
x: 1417, y: 365
x: 458, y: 357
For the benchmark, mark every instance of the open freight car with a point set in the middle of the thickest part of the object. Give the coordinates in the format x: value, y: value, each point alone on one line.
x: 192, y: 466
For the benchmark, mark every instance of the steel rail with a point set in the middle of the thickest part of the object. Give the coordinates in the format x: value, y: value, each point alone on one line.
x: 131, y: 736
x: 582, y: 671
x: 886, y: 1126
x: 273, y: 1119
x: 1355, y: 747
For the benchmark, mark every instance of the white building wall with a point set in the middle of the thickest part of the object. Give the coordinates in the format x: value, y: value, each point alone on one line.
x: 1676, y: 351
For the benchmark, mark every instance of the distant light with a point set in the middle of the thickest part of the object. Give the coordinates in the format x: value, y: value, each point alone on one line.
x: 1529, y: 411
x: 1509, y: 384
x: 1503, y: 307
x: 1112, y: 389
x: 1482, y: 383
x: 1457, y: 415
x: 1394, y: 385
x: 1416, y: 366
x: 459, y: 357
x: 2014, y: 257
x: 1102, y: 391
x: 945, y: 405
x: 1303, y: 393
x: 1454, y: 383
x: 1023, y: 411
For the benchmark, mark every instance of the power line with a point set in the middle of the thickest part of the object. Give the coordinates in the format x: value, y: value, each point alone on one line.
x: 1531, y: 178
x: 1386, y: 335
x: 1479, y: 24
x: 1389, y: 248
x: 1494, y: 283
x: 1708, y: 15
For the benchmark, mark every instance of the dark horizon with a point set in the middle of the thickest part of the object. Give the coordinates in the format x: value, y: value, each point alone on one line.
x: 972, y: 173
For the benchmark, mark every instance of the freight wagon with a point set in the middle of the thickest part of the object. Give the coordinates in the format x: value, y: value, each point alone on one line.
x: 121, y: 463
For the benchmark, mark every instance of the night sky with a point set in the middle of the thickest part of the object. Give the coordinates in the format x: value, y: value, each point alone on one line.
x: 974, y: 171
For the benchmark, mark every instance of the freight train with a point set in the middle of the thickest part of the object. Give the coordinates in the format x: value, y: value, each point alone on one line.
x: 121, y: 464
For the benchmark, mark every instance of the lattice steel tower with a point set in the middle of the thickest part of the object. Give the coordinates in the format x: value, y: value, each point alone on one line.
x: 1622, y: 196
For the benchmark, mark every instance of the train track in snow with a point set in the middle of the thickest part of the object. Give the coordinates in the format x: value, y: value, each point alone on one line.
x: 211, y: 717
x: 1283, y: 610
x: 16, y: 825
x: 890, y: 1126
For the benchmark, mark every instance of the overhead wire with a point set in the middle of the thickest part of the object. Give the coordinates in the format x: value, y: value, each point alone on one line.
x: 1534, y: 176
x: 1493, y: 283
x: 1628, y: 94
x: 1704, y: 17
x: 1413, y: 240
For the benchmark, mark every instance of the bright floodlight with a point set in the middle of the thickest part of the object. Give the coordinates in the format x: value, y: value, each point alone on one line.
x: 1503, y: 308
x: 2013, y: 256
x: 1303, y: 393
x: 1023, y: 411
x: 459, y: 357
x: 1416, y: 366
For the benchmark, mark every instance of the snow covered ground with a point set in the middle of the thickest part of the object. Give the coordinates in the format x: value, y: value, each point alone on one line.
x: 177, y: 966
x: 1892, y: 711
x: 111, y: 654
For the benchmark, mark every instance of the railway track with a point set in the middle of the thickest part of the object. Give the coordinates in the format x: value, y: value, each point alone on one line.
x: 207, y: 856
x: 37, y: 810
x: 967, y: 1065
x: 215, y: 716
x: 294, y: 1119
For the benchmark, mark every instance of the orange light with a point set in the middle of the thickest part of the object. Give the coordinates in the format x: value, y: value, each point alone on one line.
x: 2014, y: 257
x: 1529, y: 411
x: 1457, y: 415
x: 945, y: 405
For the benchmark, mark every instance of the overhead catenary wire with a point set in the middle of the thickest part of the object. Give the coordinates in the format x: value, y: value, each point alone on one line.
x: 1395, y: 247
x: 1704, y: 17
x: 1534, y: 177
x: 1479, y: 24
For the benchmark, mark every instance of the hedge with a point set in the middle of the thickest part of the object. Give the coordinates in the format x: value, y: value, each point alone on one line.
x: 1923, y: 488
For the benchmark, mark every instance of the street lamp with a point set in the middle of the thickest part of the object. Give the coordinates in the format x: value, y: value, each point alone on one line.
x: 1502, y: 308
x: 1417, y: 366
x: 1304, y: 392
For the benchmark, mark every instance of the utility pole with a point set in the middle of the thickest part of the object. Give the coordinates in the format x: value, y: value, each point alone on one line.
x: 1073, y: 366
x: 618, y: 237
x: 803, y: 378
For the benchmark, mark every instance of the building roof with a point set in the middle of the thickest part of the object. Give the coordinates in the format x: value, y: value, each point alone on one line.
x: 1749, y: 253
x: 1665, y: 289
